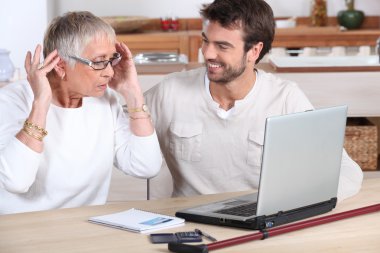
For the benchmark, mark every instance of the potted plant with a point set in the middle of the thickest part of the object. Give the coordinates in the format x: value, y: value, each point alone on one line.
x: 350, y: 18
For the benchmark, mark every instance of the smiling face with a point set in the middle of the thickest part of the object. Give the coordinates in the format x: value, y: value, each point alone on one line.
x: 223, y: 51
x: 83, y: 80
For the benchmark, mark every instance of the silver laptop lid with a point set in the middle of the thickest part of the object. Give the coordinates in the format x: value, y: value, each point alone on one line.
x: 302, y: 157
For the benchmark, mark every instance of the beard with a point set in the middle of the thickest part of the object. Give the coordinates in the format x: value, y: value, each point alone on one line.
x: 230, y: 73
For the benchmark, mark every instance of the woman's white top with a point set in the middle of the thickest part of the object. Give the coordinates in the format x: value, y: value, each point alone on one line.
x: 81, y: 148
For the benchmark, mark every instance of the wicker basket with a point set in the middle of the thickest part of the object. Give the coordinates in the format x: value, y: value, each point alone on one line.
x: 361, y: 142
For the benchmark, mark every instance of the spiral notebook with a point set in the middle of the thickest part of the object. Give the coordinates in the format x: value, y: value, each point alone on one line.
x: 138, y: 221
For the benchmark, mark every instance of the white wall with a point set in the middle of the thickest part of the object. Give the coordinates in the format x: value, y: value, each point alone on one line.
x: 149, y: 8
x: 190, y: 8
x: 22, y: 26
x: 302, y: 7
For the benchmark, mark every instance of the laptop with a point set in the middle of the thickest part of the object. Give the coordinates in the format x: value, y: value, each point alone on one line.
x: 299, y: 176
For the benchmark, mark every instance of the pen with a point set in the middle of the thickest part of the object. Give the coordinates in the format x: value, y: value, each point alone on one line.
x: 205, y: 235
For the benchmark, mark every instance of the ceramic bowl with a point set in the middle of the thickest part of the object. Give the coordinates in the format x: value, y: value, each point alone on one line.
x: 126, y: 23
x: 285, y: 23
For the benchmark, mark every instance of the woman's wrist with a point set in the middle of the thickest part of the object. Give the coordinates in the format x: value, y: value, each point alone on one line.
x: 41, y: 105
x: 38, y: 113
x: 133, y: 97
x: 31, y: 142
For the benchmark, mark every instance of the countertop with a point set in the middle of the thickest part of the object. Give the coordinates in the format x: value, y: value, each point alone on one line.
x: 359, y: 90
x: 163, y: 69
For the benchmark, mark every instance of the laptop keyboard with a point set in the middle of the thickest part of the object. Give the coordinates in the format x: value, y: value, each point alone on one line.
x: 243, y: 210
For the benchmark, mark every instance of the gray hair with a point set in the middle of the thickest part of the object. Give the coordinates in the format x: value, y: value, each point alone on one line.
x: 72, y: 32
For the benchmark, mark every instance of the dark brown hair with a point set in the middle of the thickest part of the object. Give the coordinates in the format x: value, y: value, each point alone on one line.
x: 255, y: 17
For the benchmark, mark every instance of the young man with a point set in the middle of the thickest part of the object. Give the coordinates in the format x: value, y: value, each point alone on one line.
x: 210, y: 121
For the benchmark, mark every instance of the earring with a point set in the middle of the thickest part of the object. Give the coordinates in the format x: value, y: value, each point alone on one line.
x: 63, y: 76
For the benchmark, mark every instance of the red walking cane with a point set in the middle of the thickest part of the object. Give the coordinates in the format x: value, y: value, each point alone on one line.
x: 204, y: 248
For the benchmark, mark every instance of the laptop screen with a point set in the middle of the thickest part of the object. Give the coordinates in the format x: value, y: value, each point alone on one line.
x: 301, y: 159
x: 299, y: 174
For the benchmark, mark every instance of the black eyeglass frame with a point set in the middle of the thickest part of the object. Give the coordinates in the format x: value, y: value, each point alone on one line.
x: 93, y: 64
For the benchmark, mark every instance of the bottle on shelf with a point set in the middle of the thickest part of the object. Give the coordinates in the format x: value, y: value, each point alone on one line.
x: 318, y: 13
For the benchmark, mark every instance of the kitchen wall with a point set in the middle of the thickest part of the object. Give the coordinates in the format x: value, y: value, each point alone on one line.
x: 22, y: 26
x: 190, y: 8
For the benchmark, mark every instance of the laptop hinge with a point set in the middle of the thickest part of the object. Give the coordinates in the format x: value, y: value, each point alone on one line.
x: 280, y: 218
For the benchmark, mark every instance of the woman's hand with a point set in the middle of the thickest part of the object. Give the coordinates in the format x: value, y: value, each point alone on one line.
x: 36, y: 74
x: 125, y: 79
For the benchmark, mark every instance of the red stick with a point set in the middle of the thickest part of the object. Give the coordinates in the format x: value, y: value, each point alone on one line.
x: 204, y: 248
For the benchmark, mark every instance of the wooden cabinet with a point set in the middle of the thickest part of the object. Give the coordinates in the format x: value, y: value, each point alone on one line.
x: 328, y: 36
x: 182, y: 42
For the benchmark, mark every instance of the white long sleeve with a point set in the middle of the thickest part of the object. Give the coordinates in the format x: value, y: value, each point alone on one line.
x: 13, y: 179
x: 351, y: 178
x: 80, y: 150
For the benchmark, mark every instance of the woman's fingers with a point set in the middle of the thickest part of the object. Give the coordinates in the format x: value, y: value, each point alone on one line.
x: 32, y: 60
x: 51, y: 56
x: 129, y: 53
x: 33, y: 65
x: 27, y: 64
x: 36, y: 56
x: 124, y: 50
x: 51, y: 60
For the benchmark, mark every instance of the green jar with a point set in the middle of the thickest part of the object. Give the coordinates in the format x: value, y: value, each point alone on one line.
x: 351, y: 19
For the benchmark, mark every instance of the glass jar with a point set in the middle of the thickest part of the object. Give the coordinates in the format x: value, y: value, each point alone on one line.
x: 6, y: 66
x: 318, y: 13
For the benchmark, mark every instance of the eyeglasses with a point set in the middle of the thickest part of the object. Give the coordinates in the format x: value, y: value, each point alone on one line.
x: 99, y: 65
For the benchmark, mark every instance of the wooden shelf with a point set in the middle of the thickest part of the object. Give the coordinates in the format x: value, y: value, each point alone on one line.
x: 329, y: 36
x: 188, y: 39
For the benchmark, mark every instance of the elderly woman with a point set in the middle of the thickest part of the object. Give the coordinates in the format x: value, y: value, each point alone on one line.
x: 63, y: 130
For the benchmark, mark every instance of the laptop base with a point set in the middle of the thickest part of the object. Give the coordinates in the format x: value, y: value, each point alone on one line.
x: 264, y: 222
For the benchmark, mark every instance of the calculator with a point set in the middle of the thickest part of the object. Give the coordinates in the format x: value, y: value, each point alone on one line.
x: 179, y: 237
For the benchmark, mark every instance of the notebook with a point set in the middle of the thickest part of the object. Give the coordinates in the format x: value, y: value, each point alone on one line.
x: 299, y: 177
x: 136, y: 220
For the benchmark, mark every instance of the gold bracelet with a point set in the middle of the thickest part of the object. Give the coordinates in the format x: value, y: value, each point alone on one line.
x: 35, y: 127
x: 143, y: 108
x: 134, y: 118
x: 35, y: 136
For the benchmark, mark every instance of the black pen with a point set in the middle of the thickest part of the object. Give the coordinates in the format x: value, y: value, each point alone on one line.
x: 205, y: 235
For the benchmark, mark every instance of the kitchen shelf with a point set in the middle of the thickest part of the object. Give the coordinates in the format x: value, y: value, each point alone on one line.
x: 188, y: 39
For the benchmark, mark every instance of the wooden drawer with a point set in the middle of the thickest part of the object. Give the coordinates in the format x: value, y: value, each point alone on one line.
x: 156, y: 42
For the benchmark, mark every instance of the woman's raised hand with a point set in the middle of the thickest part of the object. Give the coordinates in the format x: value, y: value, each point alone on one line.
x: 125, y: 79
x: 36, y: 73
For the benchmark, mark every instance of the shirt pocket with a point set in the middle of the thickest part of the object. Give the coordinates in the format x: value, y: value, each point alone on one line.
x: 185, y: 141
x: 255, y: 147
